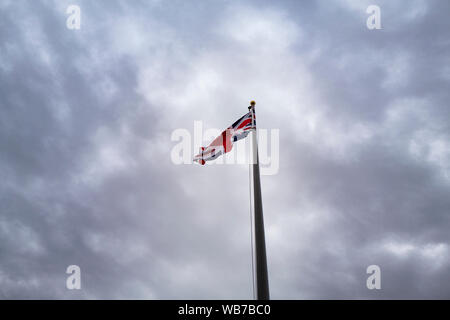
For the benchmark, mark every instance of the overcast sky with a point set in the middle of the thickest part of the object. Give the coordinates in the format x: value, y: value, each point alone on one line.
x: 86, y: 176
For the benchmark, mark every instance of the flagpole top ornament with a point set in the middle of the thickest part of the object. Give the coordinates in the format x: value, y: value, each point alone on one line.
x: 252, y: 105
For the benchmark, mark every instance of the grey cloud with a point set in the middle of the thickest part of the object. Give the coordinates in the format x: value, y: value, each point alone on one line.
x: 86, y: 176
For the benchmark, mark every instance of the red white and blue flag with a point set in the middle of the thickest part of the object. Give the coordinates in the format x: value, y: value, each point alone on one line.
x: 224, y: 143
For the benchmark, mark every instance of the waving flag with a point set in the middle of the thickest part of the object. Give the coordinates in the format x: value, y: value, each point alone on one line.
x: 221, y: 145
x: 224, y: 143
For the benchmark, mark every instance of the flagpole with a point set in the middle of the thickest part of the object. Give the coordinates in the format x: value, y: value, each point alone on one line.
x: 260, y: 259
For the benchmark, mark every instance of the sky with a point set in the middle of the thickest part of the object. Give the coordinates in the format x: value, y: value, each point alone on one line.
x: 86, y: 123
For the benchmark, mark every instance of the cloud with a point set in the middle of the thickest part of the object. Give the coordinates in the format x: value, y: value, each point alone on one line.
x: 85, y: 143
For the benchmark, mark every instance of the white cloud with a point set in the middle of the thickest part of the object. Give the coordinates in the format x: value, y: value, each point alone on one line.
x: 433, y: 255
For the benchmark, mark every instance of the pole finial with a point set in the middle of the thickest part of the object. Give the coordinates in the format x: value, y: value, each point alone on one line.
x: 252, y: 103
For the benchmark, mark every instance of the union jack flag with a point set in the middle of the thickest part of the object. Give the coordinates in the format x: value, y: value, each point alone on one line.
x: 224, y: 143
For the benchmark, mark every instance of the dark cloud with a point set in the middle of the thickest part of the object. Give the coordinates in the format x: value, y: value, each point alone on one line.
x: 85, y: 148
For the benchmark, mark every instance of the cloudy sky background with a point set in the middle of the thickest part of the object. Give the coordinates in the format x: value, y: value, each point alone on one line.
x: 86, y: 175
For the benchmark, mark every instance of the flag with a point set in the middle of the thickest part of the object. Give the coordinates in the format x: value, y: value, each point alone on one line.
x: 224, y: 142
x: 221, y: 145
